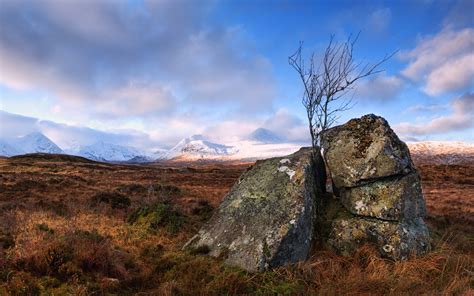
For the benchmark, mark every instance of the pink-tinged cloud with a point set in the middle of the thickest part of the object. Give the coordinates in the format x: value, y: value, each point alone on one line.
x: 442, y: 63
x: 379, y: 88
x: 93, y: 51
x: 461, y: 119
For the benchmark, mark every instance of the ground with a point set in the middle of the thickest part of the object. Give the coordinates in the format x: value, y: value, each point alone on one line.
x: 72, y: 226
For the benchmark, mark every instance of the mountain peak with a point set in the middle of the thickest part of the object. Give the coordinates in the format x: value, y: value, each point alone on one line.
x: 103, y: 151
x: 37, y: 142
x: 197, y: 147
x: 264, y: 135
x: 197, y: 138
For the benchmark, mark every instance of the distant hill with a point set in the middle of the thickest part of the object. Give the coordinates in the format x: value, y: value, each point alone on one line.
x: 35, y: 143
x: 442, y: 152
x: 197, y: 147
x: 6, y: 149
x: 260, y: 144
x: 103, y: 151
x: 51, y: 157
x: 265, y: 136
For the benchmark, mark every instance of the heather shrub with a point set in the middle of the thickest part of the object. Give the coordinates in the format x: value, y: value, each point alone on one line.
x: 114, y: 199
x: 156, y: 216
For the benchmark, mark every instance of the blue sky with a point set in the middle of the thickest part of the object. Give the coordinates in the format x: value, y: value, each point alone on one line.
x: 147, y: 73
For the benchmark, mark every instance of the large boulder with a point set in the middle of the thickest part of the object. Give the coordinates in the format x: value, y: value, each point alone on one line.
x: 378, y: 188
x: 267, y: 219
x: 364, y: 149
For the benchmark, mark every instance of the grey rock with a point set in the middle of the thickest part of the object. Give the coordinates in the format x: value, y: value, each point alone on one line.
x: 267, y: 219
x: 394, y: 240
x: 380, y: 196
x: 395, y: 198
x: 364, y: 149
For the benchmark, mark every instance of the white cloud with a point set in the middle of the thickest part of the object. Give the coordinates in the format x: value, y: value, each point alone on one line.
x: 70, y: 136
x: 288, y: 125
x: 453, y: 75
x: 379, y: 88
x: 99, y: 57
x: 136, y: 99
x: 427, y: 108
x: 444, y: 62
x: 165, y: 133
x: 461, y: 118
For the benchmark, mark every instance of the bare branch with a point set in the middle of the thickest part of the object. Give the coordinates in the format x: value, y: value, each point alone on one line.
x: 330, y: 80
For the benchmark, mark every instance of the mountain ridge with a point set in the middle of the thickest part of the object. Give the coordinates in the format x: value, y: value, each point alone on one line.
x: 265, y: 136
x: 199, y: 148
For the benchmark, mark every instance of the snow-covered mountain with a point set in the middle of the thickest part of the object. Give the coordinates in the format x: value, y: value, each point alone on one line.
x: 442, y: 152
x: 6, y: 149
x: 34, y: 143
x: 38, y: 143
x: 158, y: 153
x: 197, y: 147
x: 251, y: 150
x: 259, y: 145
x: 265, y: 136
x: 102, y: 151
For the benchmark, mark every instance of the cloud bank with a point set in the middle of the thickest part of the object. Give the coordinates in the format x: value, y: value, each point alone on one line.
x: 443, y: 63
x: 460, y: 119
x: 68, y: 136
x: 130, y: 58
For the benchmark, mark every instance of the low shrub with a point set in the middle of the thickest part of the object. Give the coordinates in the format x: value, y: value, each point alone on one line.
x: 77, y: 254
x: 57, y: 207
x: 132, y: 189
x: 6, y: 240
x: 45, y: 228
x: 114, y: 199
x: 203, y: 209
x: 169, y: 190
x: 157, y: 216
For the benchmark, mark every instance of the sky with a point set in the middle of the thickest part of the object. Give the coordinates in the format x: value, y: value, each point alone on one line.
x: 149, y: 73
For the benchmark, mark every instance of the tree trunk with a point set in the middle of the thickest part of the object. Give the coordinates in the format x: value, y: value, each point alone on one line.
x: 319, y: 170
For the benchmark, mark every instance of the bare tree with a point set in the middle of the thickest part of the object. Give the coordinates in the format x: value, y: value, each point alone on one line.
x: 325, y: 85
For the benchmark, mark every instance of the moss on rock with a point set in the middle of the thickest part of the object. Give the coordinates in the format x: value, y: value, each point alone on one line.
x: 364, y: 149
x: 267, y: 219
x: 395, y: 199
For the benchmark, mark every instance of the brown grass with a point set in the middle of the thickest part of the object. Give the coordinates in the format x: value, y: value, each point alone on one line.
x: 72, y: 226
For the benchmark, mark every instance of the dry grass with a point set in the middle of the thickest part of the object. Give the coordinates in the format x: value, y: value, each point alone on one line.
x: 72, y: 226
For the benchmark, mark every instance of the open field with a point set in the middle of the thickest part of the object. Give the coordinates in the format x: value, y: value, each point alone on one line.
x: 73, y: 226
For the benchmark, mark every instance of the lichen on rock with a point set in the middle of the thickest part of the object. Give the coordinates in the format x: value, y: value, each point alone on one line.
x: 344, y: 232
x: 396, y: 198
x: 272, y: 214
x: 378, y: 188
x: 364, y: 149
x: 267, y: 219
x: 394, y: 240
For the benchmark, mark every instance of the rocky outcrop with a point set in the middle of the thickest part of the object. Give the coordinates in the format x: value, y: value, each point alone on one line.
x: 268, y: 217
x: 271, y: 215
x: 379, y: 188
